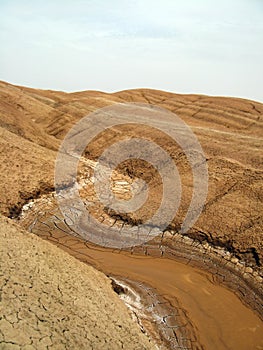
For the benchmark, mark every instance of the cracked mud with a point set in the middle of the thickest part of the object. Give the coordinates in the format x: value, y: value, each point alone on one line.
x: 178, y: 325
x: 49, y: 300
x: 200, y: 291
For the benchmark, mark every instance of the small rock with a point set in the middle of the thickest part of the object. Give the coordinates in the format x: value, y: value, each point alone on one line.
x: 240, y: 266
x: 259, y: 279
x: 206, y: 245
x: 187, y: 239
x: 246, y: 275
x: 234, y: 260
x: 248, y: 270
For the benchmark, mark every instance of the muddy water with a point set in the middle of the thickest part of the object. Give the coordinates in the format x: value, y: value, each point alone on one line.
x: 221, y: 319
x: 218, y: 316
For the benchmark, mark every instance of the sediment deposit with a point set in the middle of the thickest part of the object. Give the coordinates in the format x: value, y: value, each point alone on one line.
x: 211, y: 277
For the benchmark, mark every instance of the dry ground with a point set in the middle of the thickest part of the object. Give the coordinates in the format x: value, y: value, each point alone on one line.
x: 33, y: 123
x: 50, y: 300
x: 32, y: 126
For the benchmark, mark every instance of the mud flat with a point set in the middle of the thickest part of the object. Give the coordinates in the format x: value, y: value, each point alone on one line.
x: 212, y: 308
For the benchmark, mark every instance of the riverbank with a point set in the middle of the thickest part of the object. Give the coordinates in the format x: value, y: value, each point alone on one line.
x: 218, y: 317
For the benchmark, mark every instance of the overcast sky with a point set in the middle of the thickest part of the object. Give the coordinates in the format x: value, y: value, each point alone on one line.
x: 185, y: 46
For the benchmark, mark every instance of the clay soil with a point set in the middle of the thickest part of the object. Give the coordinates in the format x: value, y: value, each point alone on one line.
x: 34, y: 122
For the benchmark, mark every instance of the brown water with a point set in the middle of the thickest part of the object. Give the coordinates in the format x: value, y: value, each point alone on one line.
x: 222, y: 320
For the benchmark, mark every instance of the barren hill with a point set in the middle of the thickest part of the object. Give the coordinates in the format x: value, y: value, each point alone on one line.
x: 226, y: 240
x: 33, y: 123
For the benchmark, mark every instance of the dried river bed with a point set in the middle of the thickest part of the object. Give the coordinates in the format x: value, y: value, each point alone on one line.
x: 192, y: 298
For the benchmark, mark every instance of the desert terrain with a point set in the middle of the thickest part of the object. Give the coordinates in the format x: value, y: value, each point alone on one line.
x: 51, y: 300
x: 207, y: 280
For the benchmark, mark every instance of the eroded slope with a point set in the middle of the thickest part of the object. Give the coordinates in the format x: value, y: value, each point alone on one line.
x: 51, y: 300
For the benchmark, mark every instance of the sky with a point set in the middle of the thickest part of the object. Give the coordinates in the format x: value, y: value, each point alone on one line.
x: 184, y: 46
